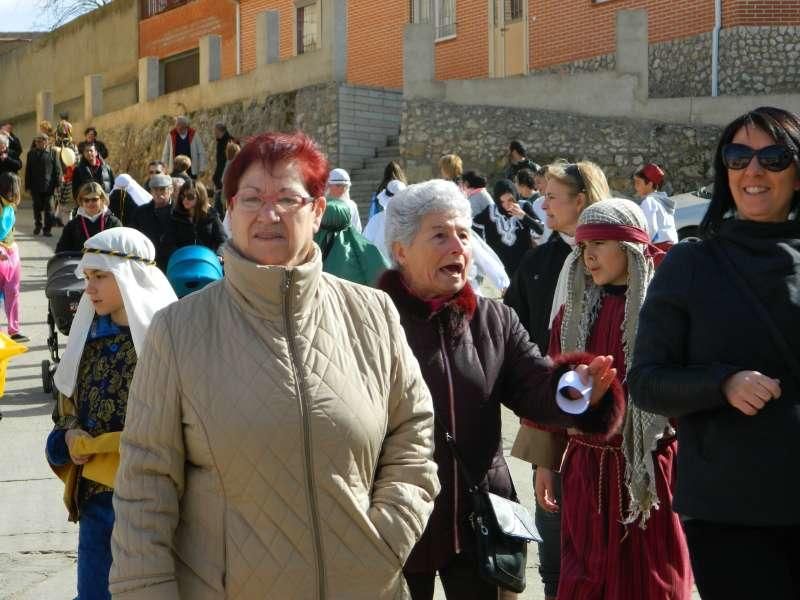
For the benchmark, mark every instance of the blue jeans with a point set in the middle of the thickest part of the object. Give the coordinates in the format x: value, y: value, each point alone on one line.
x: 94, y: 547
x: 549, y: 526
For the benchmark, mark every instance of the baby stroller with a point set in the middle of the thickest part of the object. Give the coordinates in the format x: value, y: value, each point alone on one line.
x: 191, y: 268
x: 63, y: 290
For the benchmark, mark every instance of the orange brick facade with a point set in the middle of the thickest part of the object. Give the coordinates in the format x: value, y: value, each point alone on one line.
x: 180, y: 29
x: 559, y: 31
x: 761, y: 12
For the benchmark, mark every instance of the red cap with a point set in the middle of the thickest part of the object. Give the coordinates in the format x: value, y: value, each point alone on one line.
x: 653, y: 173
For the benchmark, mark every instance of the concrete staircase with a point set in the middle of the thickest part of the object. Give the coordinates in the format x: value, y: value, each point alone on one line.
x: 367, y: 177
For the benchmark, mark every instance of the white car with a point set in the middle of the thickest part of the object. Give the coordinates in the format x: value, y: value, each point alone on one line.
x: 690, y: 208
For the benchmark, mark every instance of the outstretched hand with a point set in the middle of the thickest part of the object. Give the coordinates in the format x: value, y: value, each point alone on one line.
x: 599, y: 374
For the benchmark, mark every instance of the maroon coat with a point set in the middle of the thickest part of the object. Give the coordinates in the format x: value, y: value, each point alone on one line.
x: 478, y: 350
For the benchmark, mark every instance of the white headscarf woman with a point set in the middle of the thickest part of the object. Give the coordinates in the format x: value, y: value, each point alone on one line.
x: 130, y: 257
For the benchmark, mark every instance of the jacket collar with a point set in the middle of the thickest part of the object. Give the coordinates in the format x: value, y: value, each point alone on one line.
x: 266, y: 290
x: 456, y: 311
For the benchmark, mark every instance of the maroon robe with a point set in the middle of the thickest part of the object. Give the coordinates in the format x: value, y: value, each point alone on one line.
x: 601, y: 559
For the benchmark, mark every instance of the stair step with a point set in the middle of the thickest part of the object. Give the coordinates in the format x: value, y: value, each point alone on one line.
x: 391, y: 151
x: 369, y: 173
x: 393, y: 140
x: 378, y: 162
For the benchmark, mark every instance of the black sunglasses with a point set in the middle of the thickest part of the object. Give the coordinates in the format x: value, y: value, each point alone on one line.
x: 773, y: 158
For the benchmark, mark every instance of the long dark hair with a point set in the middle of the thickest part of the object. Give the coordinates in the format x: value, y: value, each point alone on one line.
x: 202, y: 204
x: 393, y: 170
x: 783, y: 126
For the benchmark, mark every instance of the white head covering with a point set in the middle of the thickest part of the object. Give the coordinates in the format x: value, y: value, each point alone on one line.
x: 127, y: 183
x: 642, y: 430
x: 130, y: 256
x: 339, y: 177
x: 394, y: 187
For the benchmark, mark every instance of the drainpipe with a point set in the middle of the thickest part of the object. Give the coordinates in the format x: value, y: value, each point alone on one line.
x: 715, y: 48
x: 239, y: 37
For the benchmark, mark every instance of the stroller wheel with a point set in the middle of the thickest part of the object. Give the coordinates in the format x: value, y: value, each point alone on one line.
x: 47, y: 378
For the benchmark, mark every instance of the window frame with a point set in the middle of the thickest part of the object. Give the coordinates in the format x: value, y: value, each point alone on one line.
x: 432, y: 14
x: 299, y: 27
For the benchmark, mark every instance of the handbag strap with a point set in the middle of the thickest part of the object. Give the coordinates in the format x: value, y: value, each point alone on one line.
x: 451, y: 442
x: 761, y: 310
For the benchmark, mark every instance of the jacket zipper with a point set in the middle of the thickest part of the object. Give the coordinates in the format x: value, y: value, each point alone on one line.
x: 303, y: 405
x: 452, y: 406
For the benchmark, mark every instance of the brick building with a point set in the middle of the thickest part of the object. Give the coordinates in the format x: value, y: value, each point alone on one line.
x: 475, y: 38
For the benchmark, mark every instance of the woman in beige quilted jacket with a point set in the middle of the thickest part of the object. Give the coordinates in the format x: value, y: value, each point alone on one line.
x: 279, y: 434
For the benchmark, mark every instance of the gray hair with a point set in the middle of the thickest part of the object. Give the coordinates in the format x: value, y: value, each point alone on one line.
x: 407, y: 209
x: 3, y: 140
x: 182, y: 119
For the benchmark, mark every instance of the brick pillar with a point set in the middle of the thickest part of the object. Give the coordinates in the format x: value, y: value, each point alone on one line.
x: 92, y: 97
x: 149, y: 88
x: 44, y: 107
x: 633, y: 49
x: 267, y: 37
x: 210, y: 58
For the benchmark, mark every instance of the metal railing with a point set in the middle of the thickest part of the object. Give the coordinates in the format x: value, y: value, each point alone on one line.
x: 151, y: 8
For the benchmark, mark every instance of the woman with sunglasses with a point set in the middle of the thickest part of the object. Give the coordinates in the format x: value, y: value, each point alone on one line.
x: 717, y: 350
x: 92, y: 217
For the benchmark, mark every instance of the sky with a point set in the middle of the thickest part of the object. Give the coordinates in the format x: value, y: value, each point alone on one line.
x: 21, y: 15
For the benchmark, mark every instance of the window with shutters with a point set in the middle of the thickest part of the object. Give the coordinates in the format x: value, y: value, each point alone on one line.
x: 442, y: 13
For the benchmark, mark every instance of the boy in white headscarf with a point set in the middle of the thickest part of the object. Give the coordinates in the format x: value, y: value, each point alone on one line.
x: 620, y: 539
x: 124, y: 289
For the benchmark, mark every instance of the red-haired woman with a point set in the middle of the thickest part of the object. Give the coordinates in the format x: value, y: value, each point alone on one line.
x: 279, y: 435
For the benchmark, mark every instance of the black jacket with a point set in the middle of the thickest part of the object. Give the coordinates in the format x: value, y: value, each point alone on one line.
x: 222, y: 144
x: 480, y: 347
x: 122, y: 205
x: 154, y: 222
x: 512, y: 170
x: 42, y: 172
x: 511, y: 245
x: 73, y: 236
x: 182, y: 232
x: 101, y: 148
x: 14, y: 145
x: 10, y: 164
x: 534, y: 285
x: 695, y: 330
x: 84, y: 173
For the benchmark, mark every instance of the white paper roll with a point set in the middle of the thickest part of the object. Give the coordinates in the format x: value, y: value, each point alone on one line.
x: 571, y: 380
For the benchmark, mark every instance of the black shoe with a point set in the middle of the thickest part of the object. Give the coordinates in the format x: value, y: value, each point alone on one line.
x: 37, y: 230
x: 47, y: 234
x: 18, y: 337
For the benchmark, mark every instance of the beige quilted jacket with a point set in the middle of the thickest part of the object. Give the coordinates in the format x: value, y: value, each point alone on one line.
x: 278, y: 444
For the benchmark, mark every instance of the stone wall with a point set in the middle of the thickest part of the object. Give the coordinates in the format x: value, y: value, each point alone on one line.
x: 480, y: 135
x: 681, y: 67
x: 605, y: 62
x: 753, y: 60
x: 759, y: 60
x: 311, y: 109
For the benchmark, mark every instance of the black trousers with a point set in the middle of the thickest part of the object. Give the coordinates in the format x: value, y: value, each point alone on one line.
x: 42, y: 210
x: 736, y: 562
x: 460, y: 581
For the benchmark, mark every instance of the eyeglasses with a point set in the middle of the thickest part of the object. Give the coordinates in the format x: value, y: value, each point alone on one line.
x: 282, y: 204
x: 773, y: 158
x: 574, y: 171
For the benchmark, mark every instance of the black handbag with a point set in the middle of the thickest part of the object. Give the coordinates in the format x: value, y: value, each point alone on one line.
x: 503, y: 529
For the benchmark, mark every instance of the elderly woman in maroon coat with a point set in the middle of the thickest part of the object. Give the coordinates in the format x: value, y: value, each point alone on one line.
x: 474, y: 356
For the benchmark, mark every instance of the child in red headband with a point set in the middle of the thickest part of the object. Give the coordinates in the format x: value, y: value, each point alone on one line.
x: 658, y: 208
x: 620, y: 539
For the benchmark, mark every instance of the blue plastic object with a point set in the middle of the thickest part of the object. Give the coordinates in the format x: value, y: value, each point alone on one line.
x: 191, y: 268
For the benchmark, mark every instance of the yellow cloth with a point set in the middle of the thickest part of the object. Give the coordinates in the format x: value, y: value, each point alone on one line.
x: 8, y: 349
x: 102, y: 467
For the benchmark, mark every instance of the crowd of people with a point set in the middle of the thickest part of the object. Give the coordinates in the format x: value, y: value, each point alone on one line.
x: 321, y: 424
